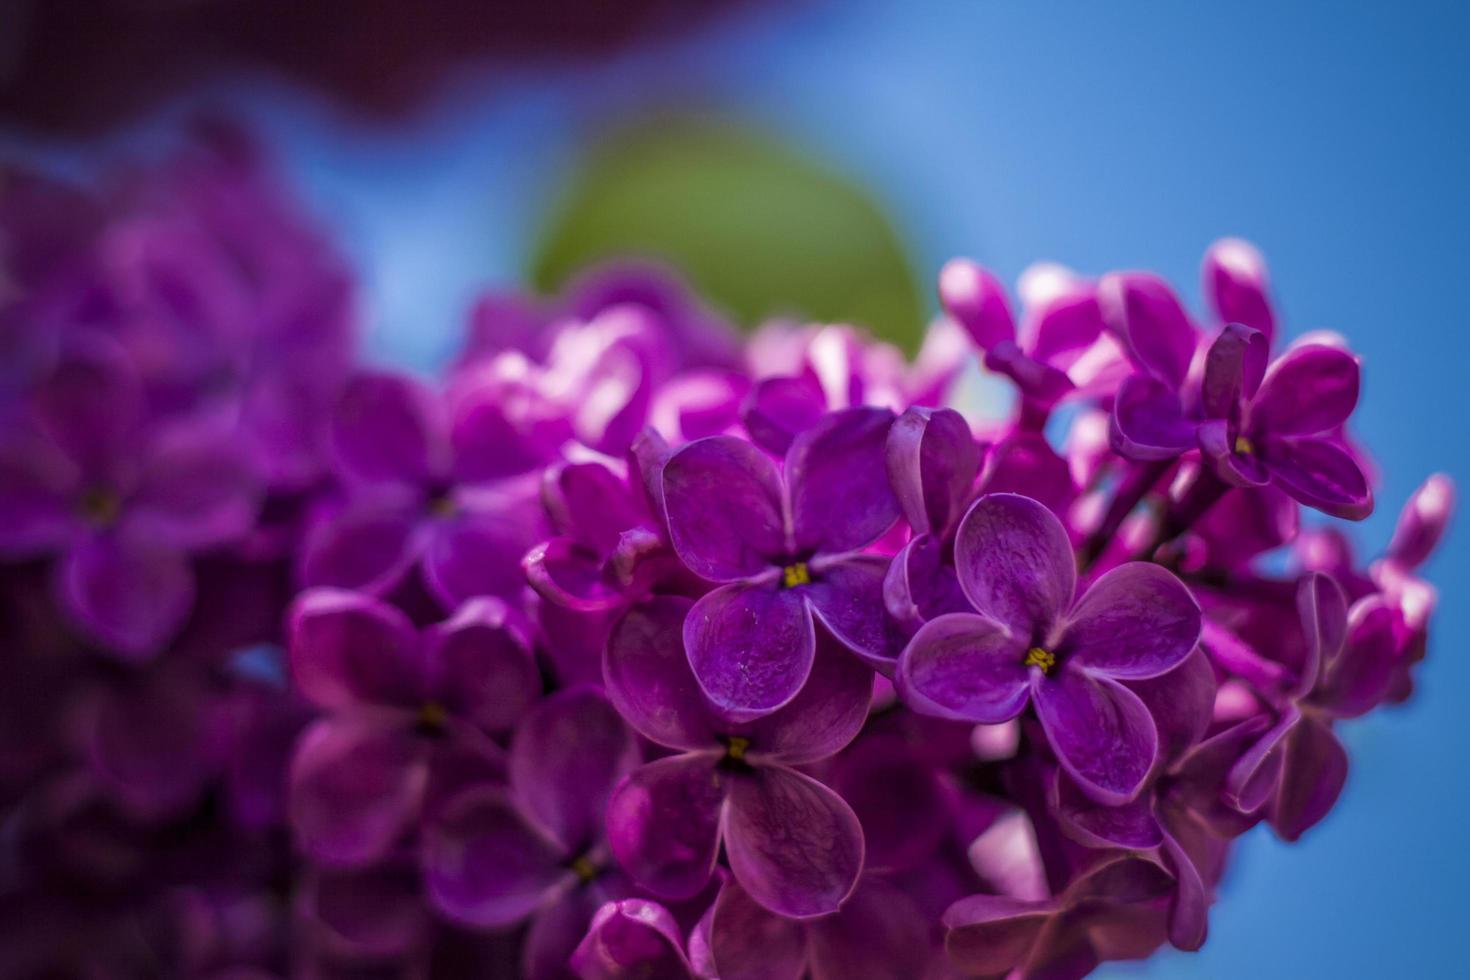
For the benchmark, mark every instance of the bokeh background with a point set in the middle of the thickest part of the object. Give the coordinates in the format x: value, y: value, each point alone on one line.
x: 824, y: 158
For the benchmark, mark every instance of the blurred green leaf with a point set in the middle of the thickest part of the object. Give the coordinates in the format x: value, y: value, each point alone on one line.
x: 758, y: 229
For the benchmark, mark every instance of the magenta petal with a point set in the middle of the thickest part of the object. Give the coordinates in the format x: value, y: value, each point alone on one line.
x: 129, y: 594
x: 1147, y: 421
x: 1025, y: 463
x: 1313, y: 773
x: 90, y: 405
x: 1217, y: 446
x: 723, y: 501
x: 346, y: 648
x: 556, y: 929
x: 750, y: 647
x: 989, y: 935
x: 485, y: 865
x: 1254, y: 779
x: 1422, y: 523
x: 840, y: 496
x: 823, y: 718
x: 1037, y: 381
x: 663, y: 823
x: 355, y: 787
x: 648, y: 676
x: 1322, y: 607
x: 1234, y: 275
x: 1189, y: 917
x: 1181, y: 702
x: 1129, y: 825
x: 1102, y: 733
x: 629, y: 939
x: 746, y: 941
x: 386, y: 430
x: 879, y: 934
x: 1319, y: 474
x: 198, y: 489
x: 965, y: 667
x: 481, y: 667
x: 366, y: 548
x: 565, y: 760
x: 1233, y: 369
x: 847, y: 596
x: 1143, y: 309
x: 1309, y: 389
x: 1359, y: 678
x: 590, y: 502
x: 793, y: 844
x: 977, y: 299
x: 932, y: 462
x: 779, y: 409
x: 1015, y: 563
x: 1136, y: 621
x: 570, y: 574
x: 919, y: 585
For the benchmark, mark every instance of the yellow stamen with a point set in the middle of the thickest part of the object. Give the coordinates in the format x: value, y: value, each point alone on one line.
x: 1037, y: 657
x: 100, y: 507
x: 584, y: 868
x: 432, y: 716
x: 796, y: 574
x: 735, y: 748
x: 443, y: 507
x: 1243, y: 446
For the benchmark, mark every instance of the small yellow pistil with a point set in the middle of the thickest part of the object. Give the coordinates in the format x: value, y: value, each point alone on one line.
x: 432, y: 716
x: 1243, y: 446
x: 584, y: 868
x: 1037, y: 657
x: 443, y: 507
x: 796, y: 574
x: 735, y: 748
x: 100, y: 507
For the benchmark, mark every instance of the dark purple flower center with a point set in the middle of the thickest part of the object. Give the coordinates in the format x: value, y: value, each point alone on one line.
x: 584, y: 868
x: 100, y: 506
x: 431, y: 719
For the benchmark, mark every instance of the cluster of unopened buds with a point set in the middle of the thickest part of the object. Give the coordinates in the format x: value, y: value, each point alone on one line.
x: 630, y: 648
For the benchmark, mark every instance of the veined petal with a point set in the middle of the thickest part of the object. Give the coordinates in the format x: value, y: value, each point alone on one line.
x: 663, y: 823
x: 1141, y: 308
x: 722, y: 497
x: 1309, y: 389
x: 750, y: 647
x: 1319, y: 474
x: 779, y: 409
x: 1136, y: 621
x: 1148, y: 422
x: 823, y: 718
x: 1101, y: 732
x: 1015, y: 563
x: 1233, y: 369
x: 932, y: 461
x: 847, y: 596
x: 631, y: 938
x: 965, y: 667
x: 841, y: 499
x: 1314, y: 771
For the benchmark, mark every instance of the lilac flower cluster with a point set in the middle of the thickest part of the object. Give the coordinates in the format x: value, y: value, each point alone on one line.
x: 632, y: 649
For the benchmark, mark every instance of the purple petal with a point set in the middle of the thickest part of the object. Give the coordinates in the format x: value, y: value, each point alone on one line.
x: 1143, y: 309
x: 847, y: 596
x: 629, y: 939
x: 1319, y: 474
x: 1102, y: 733
x: 346, y: 648
x: 779, y: 409
x: 1188, y: 919
x: 590, y: 502
x: 1236, y: 469
x: 1015, y: 563
x: 1256, y: 775
x: 355, y: 787
x: 1131, y: 826
x: 750, y: 647
x: 366, y: 548
x: 570, y: 574
x: 37, y: 496
x: 793, y: 844
x: 500, y: 429
x: 1313, y: 773
x: 1147, y: 421
x: 1322, y: 606
x: 198, y: 489
x: 965, y: 667
x: 932, y: 462
x: 1422, y: 523
x: 90, y: 405
x: 648, y: 676
x: 1309, y: 389
x: 991, y: 934
x: 478, y: 551
x: 977, y: 299
x: 565, y: 760
x: 824, y: 717
x: 1136, y: 621
x: 748, y: 942
x: 840, y: 496
x: 1037, y: 381
x: 879, y: 934
x: 485, y: 865
x: 663, y: 823
x: 1235, y: 283
x: 1359, y: 678
x: 1024, y: 463
x: 556, y: 929
x: 723, y: 501
x: 481, y: 667
x: 387, y: 429
x: 919, y: 585
x: 1181, y: 703
x: 1233, y: 369
x: 131, y: 595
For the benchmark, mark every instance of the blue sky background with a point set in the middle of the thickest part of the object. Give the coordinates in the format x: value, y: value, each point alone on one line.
x: 1102, y: 135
